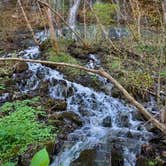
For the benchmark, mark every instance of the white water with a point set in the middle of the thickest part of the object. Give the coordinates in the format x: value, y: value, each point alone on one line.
x: 73, y: 13
x: 92, y: 107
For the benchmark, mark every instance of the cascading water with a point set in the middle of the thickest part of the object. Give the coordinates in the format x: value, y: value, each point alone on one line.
x: 73, y: 13
x: 93, y: 108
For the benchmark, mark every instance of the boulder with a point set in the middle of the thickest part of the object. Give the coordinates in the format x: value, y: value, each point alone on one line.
x: 86, y: 158
x: 71, y: 116
x: 107, y: 122
x: 124, y: 120
x: 56, y: 105
x: 20, y: 67
x: 117, y: 156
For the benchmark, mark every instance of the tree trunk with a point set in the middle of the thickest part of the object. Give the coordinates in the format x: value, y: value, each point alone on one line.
x: 164, y: 11
x: 27, y: 21
x: 52, y: 30
x: 163, y: 115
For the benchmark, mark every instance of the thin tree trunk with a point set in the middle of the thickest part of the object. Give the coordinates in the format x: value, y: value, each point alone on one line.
x: 164, y: 11
x: 85, y: 27
x: 163, y: 115
x: 62, y: 19
x: 102, y: 28
x: 102, y: 73
x: 52, y: 30
x: 27, y: 21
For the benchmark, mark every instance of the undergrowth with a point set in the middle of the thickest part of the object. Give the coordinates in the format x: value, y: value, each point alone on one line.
x: 20, y: 127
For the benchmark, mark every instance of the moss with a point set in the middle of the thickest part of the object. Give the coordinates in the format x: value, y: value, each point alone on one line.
x: 66, y: 58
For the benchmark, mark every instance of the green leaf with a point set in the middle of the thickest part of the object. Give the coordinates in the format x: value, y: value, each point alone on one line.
x: 8, y: 164
x: 163, y: 74
x: 41, y: 158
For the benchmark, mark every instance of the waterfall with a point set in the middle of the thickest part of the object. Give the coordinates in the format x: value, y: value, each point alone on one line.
x: 73, y: 13
x: 93, y: 108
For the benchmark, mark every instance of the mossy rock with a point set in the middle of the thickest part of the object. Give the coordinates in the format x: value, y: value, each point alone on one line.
x: 86, y: 158
x: 45, y: 45
x: 71, y: 116
x: 66, y: 58
x: 56, y: 105
x: 20, y: 67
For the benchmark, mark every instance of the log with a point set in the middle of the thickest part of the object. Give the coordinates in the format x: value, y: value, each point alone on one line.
x: 102, y: 73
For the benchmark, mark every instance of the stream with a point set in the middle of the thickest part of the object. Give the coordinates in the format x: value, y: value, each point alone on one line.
x: 107, y: 122
x: 110, y: 126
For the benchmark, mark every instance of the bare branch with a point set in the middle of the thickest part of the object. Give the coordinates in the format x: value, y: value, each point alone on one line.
x: 102, y: 73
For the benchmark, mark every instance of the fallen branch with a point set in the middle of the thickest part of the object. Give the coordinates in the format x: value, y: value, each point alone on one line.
x: 102, y: 73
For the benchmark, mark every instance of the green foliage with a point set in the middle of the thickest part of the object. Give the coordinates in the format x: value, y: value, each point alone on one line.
x: 41, y: 158
x: 149, y: 49
x: 136, y: 82
x: 2, y: 87
x: 20, y: 128
x: 152, y: 163
x: 62, y: 57
x: 9, y: 164
x: 116, y: 64
x: 105, y: 12
x: 163, y: 74
x: 16, y: 106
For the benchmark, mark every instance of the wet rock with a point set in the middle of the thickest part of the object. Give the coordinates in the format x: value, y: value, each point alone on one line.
x: 117, y: 156
x: 55, y: 104
x: 124, y: 120
x: 142, y: 161
x: 78, y: 52
x: 20, y: 67
x: 115, y: 93
x: 44, y: 88
x: 84, y: 112
x: 107, y: 122
x: 86, y: 158
x: 71, y: 116
x: 57, y: 146
x: 70, y: 92
x: 23, y: 76
x: 45, y: 45
x: 148, y: 151
x: 4, y: 97
x: 117, y: 33
x: 41, y: 73
x: 59, y: 105
x: 89, y: 81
